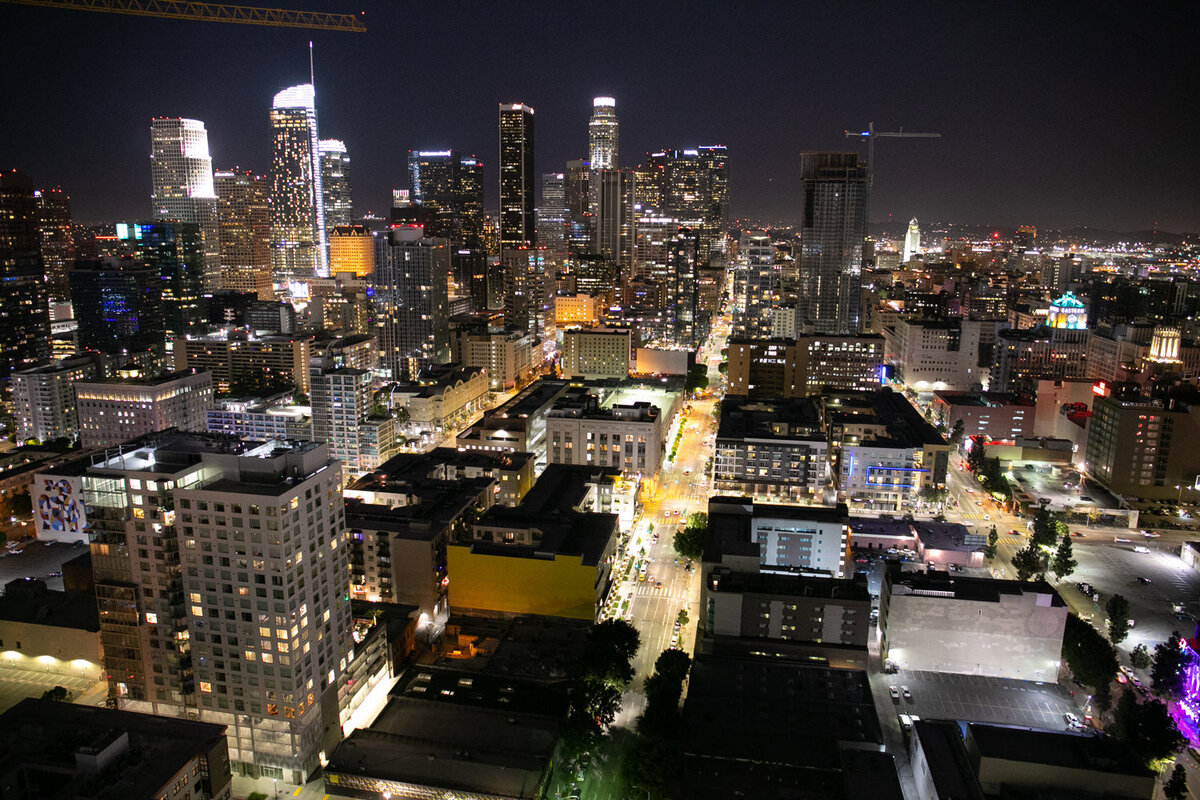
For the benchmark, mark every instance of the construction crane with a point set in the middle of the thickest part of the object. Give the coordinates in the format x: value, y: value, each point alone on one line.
x: 210, y: 12
x: 870, y: 134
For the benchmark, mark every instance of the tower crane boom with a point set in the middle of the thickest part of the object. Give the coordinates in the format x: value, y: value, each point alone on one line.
x: 210, y: 12
x: 870, y: 134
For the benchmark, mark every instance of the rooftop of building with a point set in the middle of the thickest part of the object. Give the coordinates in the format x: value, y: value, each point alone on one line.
x: 904, y: 424
x: 41, y: 739
x: 987, y: 590
x: 793, y: 418
x: 556, y: 508
x: 581, y: 402
x: 410, y: 466
x: 791, y: 585
x: 430, y: 505
x: 1055, y: 748
x: 532, y: 398
x: 947, y: 760
x: 933, y: 535
x: 28, y: 600
x: 133, y: 378
x: 777, y: 712
x: 981, y: 399
x: 470, y: 732
x: 525, y: 646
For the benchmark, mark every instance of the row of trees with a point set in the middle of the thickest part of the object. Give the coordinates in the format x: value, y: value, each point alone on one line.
x: 654, y: 759
x: 603, y: 672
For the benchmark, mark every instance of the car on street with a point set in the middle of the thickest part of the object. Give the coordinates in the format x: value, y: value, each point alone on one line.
x: 1151, y: 534
x: 1014, y: 532
x: 907, y: 694
x: 1072, y: 720
x: 1141, y: 549
x: 1120, y: 540
x: 906, y: 723
x: 894, y: 692
x: 1142, y: 579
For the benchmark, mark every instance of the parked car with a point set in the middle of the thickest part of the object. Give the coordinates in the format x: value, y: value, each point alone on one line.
x: 907, y: 694
x: 894, y: 692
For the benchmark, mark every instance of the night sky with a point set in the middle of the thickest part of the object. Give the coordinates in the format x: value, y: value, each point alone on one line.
x: 1055, y: 114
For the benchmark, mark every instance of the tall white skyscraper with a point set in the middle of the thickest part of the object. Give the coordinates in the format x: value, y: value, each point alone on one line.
x: 912, y: 241
x: 603, y: 134
x: 335, y: 183
x: 181, y: 178
x: 298, y: 246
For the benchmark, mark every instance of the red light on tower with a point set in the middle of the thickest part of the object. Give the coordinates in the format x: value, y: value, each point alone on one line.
x: 995, y: 234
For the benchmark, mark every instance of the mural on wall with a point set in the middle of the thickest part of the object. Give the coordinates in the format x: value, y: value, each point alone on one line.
x: 60, y: 506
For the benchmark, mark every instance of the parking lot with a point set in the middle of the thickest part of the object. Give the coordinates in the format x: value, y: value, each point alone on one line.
x: 1114, y: 568
x: 36, y: 560
x: 939, y: 695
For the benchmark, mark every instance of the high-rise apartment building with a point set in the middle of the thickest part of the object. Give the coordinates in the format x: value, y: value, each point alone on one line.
x: 516, y: 176
x: 24, y: 307
x: 44, y: 401
x: 182, y: 188
x: 603, y: 139
x: 221, y: 578
x: 833, y: 222
x: 58, y: 243
x: 118, y: 306
x: 335, y: 183
x: 450, y: 188
x: 341, y: 417
x: 412, y: 275
x: 114, y: 411
x: 552, y: 216
x: 298, y: 247
x: 756, y: 254
x: 245, y: 231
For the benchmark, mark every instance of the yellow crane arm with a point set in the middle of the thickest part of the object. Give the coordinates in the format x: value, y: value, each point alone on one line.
x: 210, y: 12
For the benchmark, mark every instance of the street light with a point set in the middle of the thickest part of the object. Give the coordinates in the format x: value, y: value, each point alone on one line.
x: 276, y: 780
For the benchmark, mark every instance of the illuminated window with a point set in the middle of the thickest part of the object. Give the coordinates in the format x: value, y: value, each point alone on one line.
x: 251, y: 655
x: 205, y: 686
x: 197, y: 611
x: 195, y: 597
x: 151, y: 618
x: 267, y: 658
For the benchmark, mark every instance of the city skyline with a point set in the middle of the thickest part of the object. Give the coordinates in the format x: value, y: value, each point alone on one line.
x: 1012, y: 125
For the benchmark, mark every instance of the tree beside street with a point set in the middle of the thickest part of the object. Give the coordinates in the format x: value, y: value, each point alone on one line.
x: 690, y: 541
x: 1176, y: 788
x: 1063, y: 563
x: 1090, y: 657
x: 1146, y: 728
x: 1170, y: 665
x: 1029, y: 562
x: 993, y: 541
x: 1118, y: 618
x: 1140, y: 657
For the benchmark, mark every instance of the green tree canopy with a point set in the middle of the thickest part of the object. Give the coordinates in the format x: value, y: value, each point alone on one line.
x: 1063, y: 563
x: 1045, y: 529
x: 690, y: 541
x: 993, y: 541
x: 1146, y: 728
x: 1118, y: 618
x: 1029, y: 562
x: 1171, y: 660
x: 1176, y: 787
x: 1140, y: 657
x: 1088, y: 654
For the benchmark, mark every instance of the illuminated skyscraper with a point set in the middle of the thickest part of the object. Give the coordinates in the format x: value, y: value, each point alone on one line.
x: 58, y: 244
x: 552, y: 216
x: 603, y: 134
x: 24, y: 311
x: 451, y: 188
x: 335, y: 183
x: 912, y: 241
x: 245, y: 231
x: 516, y: 176
x: 182, y: 185
x: 688, y: 184
x: 297, y: 201
x: 175, y: 250
x: 833, y: 220
x: 614, y: 219
x: 412, y: 276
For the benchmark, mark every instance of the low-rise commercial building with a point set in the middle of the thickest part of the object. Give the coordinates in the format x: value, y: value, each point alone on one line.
x: 935, y: 355
x: 551, y: 554
x: 441, y: 395
x: 258, y: 419
x: 115, y: 411
x: 773, y: 447
x: 996, y: 415
x: 974, y: 761
x: 55, y: 632
x: 976, y: 626
x: 518, y: 426
x: 513, y: 473
x: 750, y: 537
x: 60, y: 750
x: 627, y: 437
